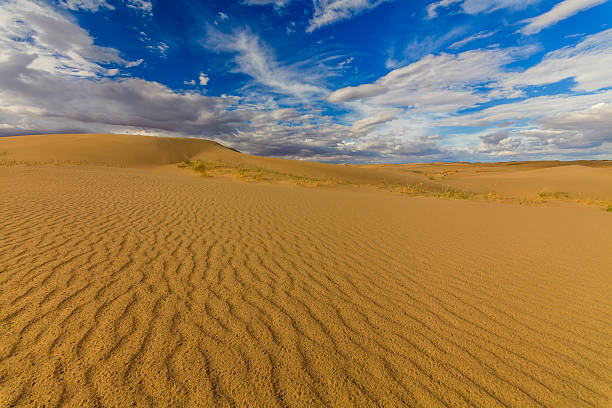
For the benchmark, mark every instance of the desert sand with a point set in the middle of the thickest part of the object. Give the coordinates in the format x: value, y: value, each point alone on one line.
x: 128, y: 281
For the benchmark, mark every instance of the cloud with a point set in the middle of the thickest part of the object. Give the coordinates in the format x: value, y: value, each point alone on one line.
x: 79, y: 96
x: 477, y: 36
x: 476, y: 6
x: 328, y: 12
x: 366, y: 125
x: 254, y: 58
x: 122, y: 102
x: 55, y: 78
x: 432, y: 9
x: 134, y: 63
x: 443, y: 82
x: 161, y: 48
x: 277, y: 3
x: 560, y: 11
x: 559, y: 124
x: 448, y: 82
x: 590, y: 127
x: 35, y: 101
x: 587, y: 63
x: 395, y: 147
x: 536, y: 108
x: 87, y: 5
x: 221, y: 17
x: 142, y: 6
x: 494, y: 139
x: 56, y: 44
x: 203, y: 79
x: 421, y: 47
x: 439, y: 87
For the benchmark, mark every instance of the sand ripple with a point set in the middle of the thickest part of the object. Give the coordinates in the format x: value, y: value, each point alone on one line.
x: 130, y: 287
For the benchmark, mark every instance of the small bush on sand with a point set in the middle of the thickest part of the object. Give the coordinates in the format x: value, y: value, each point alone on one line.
x: 558, y: 195
x: 453, y: 194
x: 185, y: 163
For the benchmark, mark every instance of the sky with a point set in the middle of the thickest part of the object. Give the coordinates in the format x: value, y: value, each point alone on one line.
x: 357, y: 81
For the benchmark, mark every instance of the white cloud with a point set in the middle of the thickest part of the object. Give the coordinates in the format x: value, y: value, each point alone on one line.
x: 221, y: 17
x: 88, y: 5
x: 328, y: 12
x: 134, y: 63
x: 366, y: 125
x: 588, y: 63
x: 437, y: 87
x: 56, y: 44
x: 161, y: 48
x: 255, y: 59
x: 203, y: 79
x: 142, y: 6
x: 432, y: 9
x: 477, y: 6
x: 420, y: 47
x: 69, y: 91
x: 443, y: 82
x: 589, y: 127
x: 447, y: 82
x: 560, y: 11
x: 277, y: 3
x: 477, y: 36
x: 544, y: 125
x: 54, y: 78
x: 533, y: 108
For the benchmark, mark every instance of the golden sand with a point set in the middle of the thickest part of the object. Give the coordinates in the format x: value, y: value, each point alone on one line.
x: 128, y: 281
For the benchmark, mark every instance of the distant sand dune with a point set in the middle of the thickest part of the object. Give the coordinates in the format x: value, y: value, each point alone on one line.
x: 149, y: 286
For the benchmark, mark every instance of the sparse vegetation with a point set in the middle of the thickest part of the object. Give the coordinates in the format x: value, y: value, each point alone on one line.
x: 559, y: 195
x: 251, y: 174
x: 241, y: 171
x: 454, y: 194
x: 31, y: 163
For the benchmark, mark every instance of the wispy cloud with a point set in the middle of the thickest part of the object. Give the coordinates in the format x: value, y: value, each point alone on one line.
x: 277, y: 3
x: 443, y: 82
x: 328, y: 12
x: 88, y: 5
x: 419, y: 47
x: 142, y: 6
x: 478, y: 36
x: 560, y: 11
x: 254, y: 58
x: 587, y: 63
x: 476, y: 6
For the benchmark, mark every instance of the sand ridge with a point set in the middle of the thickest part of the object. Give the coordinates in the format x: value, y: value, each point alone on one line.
x: 154, y: 287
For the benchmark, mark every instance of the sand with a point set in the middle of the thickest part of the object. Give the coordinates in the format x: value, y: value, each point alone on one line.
x: 126, y: 281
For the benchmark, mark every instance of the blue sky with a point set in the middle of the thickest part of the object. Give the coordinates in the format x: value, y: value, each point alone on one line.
x: 327, y: 80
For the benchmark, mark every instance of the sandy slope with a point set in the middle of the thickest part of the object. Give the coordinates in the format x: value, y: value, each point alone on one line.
x: 155, y: 287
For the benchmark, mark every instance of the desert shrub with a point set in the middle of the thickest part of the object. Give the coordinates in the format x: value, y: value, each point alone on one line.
x: 558, y: 195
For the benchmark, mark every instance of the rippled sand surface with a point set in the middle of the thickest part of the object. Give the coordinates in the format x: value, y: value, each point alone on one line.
x: 155, y: 287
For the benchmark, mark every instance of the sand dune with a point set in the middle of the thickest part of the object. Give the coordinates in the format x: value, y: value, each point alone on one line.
x: 146, y: 285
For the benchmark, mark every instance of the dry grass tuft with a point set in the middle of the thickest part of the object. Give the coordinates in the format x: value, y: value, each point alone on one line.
x: 252, y: 174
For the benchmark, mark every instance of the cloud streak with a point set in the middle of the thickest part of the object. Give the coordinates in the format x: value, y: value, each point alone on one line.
x: 328, y: 12
x: 254, y: 58
x: 559, y: 12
